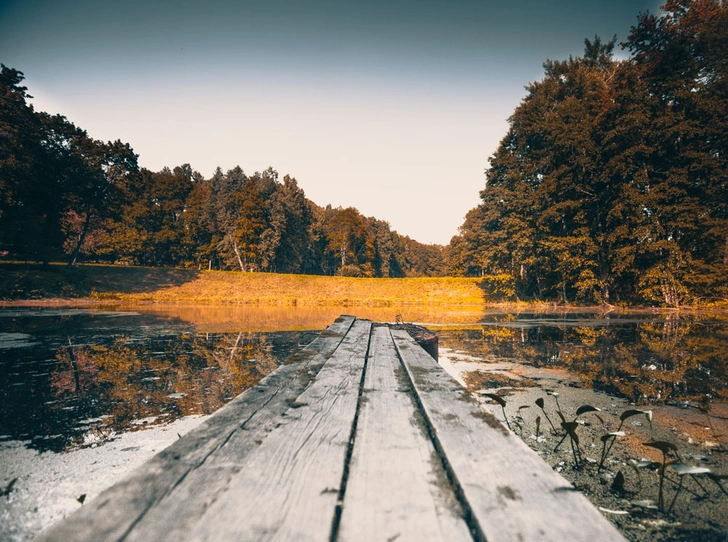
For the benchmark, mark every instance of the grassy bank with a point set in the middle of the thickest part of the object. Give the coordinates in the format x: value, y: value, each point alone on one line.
x: 96, y: 283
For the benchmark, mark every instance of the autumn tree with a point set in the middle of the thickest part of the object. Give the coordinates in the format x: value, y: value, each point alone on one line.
x: 680, y: 58
x: 99, y: 179
x: 65, y: 194
x: 347, y: 240
x: 610, y: 184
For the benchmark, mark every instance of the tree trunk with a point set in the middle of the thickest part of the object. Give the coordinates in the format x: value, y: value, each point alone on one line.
x: 237, y: 255
x: 81, y: 238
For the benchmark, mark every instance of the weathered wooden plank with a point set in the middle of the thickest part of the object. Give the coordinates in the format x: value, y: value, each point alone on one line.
x: 290, y: 485
x: 117, y: 511
x: 512, y: 493
x: 396, y: 488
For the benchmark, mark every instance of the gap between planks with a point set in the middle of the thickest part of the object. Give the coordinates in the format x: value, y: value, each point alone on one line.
x: 511, y: 493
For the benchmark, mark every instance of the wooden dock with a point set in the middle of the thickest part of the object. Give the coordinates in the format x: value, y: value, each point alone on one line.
x: 361, y: 436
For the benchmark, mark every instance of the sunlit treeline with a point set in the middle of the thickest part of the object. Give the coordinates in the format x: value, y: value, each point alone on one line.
x: 64, y: 195
x: 610, y: 185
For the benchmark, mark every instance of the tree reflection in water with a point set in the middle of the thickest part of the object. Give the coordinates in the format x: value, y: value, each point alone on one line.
x: 94, y: 391
x: 648, y: 359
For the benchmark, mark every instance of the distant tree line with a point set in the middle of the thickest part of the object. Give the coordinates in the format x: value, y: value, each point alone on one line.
x: 64, y: 195
x: 611, y: 185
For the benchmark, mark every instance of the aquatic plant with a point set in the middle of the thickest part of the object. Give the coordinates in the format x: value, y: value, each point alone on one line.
x: 716, y: 478
x: 612, y: 436
x: 573, y: 439
x: 502, y: 402
x: 665, y: 447
x: 540, y: 403
x: 570, y: 428
x: 609, y: 437
x: 520, y: 422
x: 684, y: 470
x: 556, y: 398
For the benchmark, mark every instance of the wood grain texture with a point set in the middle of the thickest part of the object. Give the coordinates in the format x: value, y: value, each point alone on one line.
x: 289, y: 487
x: 116, y: 512
x: 512, y: 493
x: 396, y: 489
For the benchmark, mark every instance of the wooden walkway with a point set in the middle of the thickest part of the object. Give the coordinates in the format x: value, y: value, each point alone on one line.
x: 361, y: 436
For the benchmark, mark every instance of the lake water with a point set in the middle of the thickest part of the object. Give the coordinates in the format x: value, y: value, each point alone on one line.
x: 73, y: 378
x: 75, y: 381
x: 647, y: 358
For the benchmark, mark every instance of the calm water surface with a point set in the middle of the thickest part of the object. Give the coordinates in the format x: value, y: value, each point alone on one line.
x: 646, y: 358
x: 71, y: 378
x: 74, y: 378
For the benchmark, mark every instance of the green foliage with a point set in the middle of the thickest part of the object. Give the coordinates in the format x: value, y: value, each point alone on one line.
x: 609, y: 186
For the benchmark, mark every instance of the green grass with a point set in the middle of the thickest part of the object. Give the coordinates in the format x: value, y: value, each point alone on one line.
x: 98, y: 283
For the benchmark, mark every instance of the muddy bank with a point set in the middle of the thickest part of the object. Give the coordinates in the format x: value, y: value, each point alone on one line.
x: 625, y: 491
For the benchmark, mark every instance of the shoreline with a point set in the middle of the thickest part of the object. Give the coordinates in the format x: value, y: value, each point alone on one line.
x: 92, y: 285
x: 89, y: 302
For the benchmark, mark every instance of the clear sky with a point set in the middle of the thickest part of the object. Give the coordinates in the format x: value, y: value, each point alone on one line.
x: 390, y: 106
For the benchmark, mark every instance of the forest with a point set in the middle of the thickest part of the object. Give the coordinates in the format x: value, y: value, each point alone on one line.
x: 66, y: 196
x: 610, y: 186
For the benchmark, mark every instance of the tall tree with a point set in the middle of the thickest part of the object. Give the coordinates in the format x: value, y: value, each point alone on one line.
x: 99, y: 181
x: 249, y: 226
x: 680, y: 57
x: 610, y: 184
x: 29, y: 188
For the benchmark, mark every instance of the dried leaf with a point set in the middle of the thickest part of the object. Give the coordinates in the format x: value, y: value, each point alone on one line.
x: 644, y: 464
x: 682, y: 469
x: 647, y: 503
x: 616, y: 512
x: 629, y: 413
x: 571, y: 429
x: 497, y: 398
x: 586, y: 408
x: 662, y: 445
x: 618, y: 482
x: 632, y: 463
